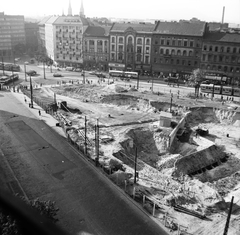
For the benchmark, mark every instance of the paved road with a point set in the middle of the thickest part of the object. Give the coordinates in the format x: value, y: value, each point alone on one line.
x: 44, y: 165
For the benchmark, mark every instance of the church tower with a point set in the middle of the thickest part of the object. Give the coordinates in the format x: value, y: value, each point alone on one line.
x: 82, y: 9
x: 69, y: 9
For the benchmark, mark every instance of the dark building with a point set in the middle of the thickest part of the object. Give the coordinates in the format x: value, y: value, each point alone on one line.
x: 96, y: 47
x: 221, y: 55
x: 31, y: 32
x: 176, y: 47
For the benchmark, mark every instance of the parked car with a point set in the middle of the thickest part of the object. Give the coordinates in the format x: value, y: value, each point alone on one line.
x: 57, y: 75
x: 100, y: 75
x: 31, y: 73
x: 78, y: 70
x: 92, y: 72
x: 69, y: 68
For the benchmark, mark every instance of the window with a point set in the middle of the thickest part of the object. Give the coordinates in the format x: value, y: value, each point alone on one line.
x: 216, y: 49
x: 161, y: 51
x: 112, y: 56
x: 190, y: 53
x: 219, y: 68
x: 139, y: 57
x: 179, y: 42
x: 147, y: 59
x: 232, y: 69
x: 204, y: 47
x: 99, y: 43
x: 105, y: 43
x: 155, y: 60
x: 120, y: 48
x: 155, y: 50
x: 148, y: 41
x: 177, y: 61
x: 139, y: 49
x: 184, y: 53
x: 210, y: 48
x: 189, y: 63
x: 139, y: 41
x: 173, y: 42
x: 167, y: 61
x: 215, y: 58
x: 168, y: 42
x: 237, y: 70
x: 209, y: 57
x: 160, y: 61
x: 195, y: 63
x: 113, y: 47
x: 203, y: 57
x: 225, y: 68
x: 233, y: 59
x: 220, y: 58
x: 185, y: 43
x: 113, y: 39
x: 179, y: 52
x: 147, y: 50
x: 214, y: 67
x: 226, y: 59
x: 167, y: 52
x: 228, y: 49
x: 183, y: 62
x: 173, y: 52
x: 172, y: 61
x: 191, y: 43
x: 162, y: 41
x: 156, y: 41
x: 120, y: 56
x: 130, y: 40
x: 222, y: 49
x: 234, y: 50
x: 120, y: 40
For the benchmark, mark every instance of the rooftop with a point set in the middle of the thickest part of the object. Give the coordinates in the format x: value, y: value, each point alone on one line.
x: 97, y: 31
x: 140, y: 27
x: 222, y: 37
x: 180, y: 28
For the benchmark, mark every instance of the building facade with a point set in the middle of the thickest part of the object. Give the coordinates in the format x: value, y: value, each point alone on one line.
x: 130, y: 46
x: 96, y: 47
x: 221, y: 56
x: 31, y: 34
x: 12, y: 34
x: 176, y: 47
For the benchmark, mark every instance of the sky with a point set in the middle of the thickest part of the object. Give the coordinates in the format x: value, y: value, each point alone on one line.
x: 206, y: 10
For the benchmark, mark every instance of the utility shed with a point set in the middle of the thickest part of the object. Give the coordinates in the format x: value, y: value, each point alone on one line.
x: 165, y: 119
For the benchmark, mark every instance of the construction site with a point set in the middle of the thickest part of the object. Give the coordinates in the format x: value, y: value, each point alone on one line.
x: 180, y: 160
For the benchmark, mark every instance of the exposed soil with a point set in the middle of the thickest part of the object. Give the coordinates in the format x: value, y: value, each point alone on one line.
x: 129, y: 126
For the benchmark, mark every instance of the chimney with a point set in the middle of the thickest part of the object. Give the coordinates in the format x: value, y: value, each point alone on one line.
x: 223, y: 17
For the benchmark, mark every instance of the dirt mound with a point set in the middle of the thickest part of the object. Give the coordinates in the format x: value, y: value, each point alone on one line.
x: 119, y: 99
x: 115, y: 88
x: 197, y: 161
x: 237, y: 123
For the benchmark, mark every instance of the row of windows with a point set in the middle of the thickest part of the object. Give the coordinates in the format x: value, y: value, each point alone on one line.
x: 221, y: 49
x: 70, y: 58
x: 87, y: 57
x: 220, y: 68
x: 221, y: 58
x: 98, y: 42
x: 175, y: 52
x: 177, y: 42
x: 130, y: 40
x: 139, y: 49
x: 175, y: 62
x: 120, y: 57
x: 99, y: 50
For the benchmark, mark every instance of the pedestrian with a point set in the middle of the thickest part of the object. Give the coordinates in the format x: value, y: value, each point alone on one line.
x: 39, y: 112
x: 25, y: 99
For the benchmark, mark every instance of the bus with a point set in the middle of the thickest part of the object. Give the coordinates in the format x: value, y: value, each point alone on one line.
x: 124, y: 75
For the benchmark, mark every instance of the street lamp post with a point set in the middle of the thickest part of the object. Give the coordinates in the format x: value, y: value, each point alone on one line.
x: 25, y: 71
x: 31, y: 90
x: 3, y: 65
x: 171, y: 102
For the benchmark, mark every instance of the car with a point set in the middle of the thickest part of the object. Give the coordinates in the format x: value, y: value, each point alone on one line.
x: 92, y: 73
x: 100, y: 75
x: 78, y: 70
x: 31, y: 73
x: 69, y: 68
x: 57, y: 75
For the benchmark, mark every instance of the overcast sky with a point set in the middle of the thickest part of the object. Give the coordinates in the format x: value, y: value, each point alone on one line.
x: 207, y: 10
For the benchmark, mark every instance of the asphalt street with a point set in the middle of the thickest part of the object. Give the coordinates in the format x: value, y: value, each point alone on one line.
x: 39, y: 163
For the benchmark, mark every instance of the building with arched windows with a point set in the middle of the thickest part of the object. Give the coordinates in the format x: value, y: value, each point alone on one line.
x: 176, y: 47
x: 130, y: 46
x: 221, y: 56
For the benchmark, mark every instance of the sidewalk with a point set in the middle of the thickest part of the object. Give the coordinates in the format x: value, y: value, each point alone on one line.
x: 45, y: 117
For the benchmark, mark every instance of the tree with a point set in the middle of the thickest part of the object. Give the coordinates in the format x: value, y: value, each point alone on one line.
x: 197, y: 77
x: 10, y: 226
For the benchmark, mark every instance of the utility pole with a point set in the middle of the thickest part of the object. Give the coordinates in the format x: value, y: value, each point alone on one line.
x: 85, y: 139
x: 44, y: 74
x: 13, y: 79
x: 83, y: 76
x: 152, y: 84
x: 97, y: 143
x: 3, y: 65
x: 171, y: 102
x: 25, y: 72
x: 228, y: 218
x: 138, y: 81
x: 31, y: 90
x: 135, y: 166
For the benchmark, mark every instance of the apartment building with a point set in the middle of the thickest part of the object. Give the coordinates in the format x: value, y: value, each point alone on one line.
x: 221, y: 55
x: 12, y: 33
x: 130, y: 46
x: 177, y: 46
